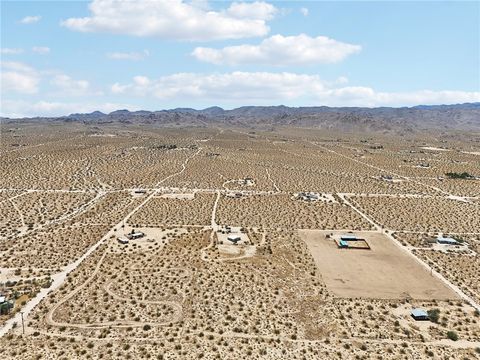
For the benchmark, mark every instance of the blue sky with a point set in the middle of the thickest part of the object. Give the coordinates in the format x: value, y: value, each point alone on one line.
x: 62, y: 57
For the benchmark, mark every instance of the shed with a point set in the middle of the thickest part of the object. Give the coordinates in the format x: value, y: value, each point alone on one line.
x: 343, y: 244
x: 348, y: 237
x: 2, y: 299
x: 419, y: 314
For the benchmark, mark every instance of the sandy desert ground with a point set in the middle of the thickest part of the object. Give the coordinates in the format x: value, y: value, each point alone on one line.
x: 285, y: 291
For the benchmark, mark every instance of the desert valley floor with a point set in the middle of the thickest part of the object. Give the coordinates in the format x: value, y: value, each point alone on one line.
x: 124, y: 241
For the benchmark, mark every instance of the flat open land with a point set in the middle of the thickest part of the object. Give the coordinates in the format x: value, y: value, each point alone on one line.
x: 383, y: 272
x: 184, y: 291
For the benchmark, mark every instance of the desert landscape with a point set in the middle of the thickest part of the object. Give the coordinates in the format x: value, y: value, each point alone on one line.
x: 239, y: 180
x: 215, y: 242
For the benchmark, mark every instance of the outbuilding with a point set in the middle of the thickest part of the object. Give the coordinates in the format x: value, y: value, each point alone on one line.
x: 122, y: 240
x: 419, y: 314
x: 343, y: 244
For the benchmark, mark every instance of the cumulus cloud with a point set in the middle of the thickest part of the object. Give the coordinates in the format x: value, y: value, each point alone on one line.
x: 256, y: 10
x: 21, y: 108
x: 70, y: 86
x: 42, y: 50
x: 18, y: 77
x: 11, y: 51
x: 244, y: 86
x: 304, y: 11
x: 280, y: 50
x: 30, y: 19
x: 175, y: 19
x: 266, y: 88
x: 135, y: 56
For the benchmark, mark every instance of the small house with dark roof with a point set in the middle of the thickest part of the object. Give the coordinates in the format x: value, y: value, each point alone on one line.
x: 234, y: 238
x: 419, y: 314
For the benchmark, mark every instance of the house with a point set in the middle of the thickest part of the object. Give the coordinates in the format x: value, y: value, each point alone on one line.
x: 447, y: 240
x: 419, y: 314
x: 135, y: 235
x: 308, y: 196
x: 122, y: 240
x: 247, y: 181
x: 348, y: 237
x: 311, y: 197
x: 234, y: 238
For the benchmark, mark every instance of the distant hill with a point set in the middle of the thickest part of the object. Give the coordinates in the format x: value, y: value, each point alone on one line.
x: 382, y: 119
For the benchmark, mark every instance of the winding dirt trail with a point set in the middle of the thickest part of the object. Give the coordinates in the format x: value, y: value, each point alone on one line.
x: 59, y: 278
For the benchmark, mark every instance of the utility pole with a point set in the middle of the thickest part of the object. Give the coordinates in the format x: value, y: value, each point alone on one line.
x: 23, y: 324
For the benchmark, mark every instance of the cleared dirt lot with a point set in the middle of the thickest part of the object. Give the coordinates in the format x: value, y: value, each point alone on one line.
x: 383, y: 272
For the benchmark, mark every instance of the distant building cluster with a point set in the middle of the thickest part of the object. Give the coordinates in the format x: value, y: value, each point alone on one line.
x: 308, y: 196
x: 248, y: 181
x: 133, y: 235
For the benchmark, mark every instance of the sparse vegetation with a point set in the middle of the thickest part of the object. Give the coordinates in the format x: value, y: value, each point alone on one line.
x: 185, y: 291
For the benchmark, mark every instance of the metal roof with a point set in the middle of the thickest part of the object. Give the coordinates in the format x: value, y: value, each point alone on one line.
x: 446, y: 240
x: 2, y: 299
x: 348, y: 237
x: 419, y: 313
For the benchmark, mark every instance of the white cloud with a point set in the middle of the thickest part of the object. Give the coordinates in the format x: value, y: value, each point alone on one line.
x: 18, y: 77
x: 256, y: 10
x: 280, y: 50
x: 21, y: 108
x: 70, y: 86
x: 30, y: 19
x: 304, y: 11
x: 243, y: 86
x: 175, y: 19
x: 118, y: 89
x: 266, y: 88
x: 135, y: 56
x: 11, y: 51
x: 42, y: 50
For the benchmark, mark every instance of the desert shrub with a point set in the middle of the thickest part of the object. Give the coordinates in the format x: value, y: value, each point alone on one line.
x: 452, y: 335
x: 434, y: 315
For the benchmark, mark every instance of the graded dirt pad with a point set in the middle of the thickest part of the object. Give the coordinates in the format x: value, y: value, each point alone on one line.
x: 427, y: 214
x: 384, y: 272
x: 281, y: 211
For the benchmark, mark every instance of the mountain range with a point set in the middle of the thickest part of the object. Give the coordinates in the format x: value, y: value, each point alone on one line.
x: 383, y: 119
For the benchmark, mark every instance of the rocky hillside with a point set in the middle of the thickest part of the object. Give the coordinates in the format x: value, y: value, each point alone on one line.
x: 384, y: 119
